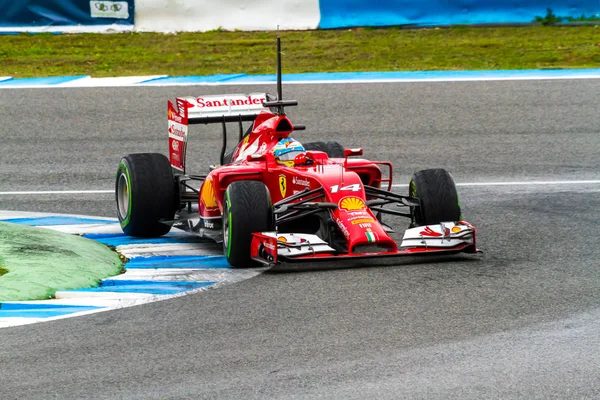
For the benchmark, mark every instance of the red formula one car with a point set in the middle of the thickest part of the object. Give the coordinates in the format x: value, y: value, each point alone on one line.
x: 273, y: 200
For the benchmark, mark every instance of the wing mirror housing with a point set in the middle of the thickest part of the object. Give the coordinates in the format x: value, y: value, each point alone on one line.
x: 353, y: 152
x: 318, y: 157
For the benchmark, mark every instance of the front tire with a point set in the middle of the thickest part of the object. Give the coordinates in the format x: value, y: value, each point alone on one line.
x: 438, y: 197
x: 145, y: 194
x: 247, y: 208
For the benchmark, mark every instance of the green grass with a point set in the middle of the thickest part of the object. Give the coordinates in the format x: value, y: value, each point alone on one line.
x: 459, y: 48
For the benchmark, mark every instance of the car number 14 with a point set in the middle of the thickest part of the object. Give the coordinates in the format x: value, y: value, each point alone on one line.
x: 351, y: 188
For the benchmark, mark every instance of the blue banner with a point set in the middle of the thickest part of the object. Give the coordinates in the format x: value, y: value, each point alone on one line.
x: 348, y: 13
x: 47, y: 15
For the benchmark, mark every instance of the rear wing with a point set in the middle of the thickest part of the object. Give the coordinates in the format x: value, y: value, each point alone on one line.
x: 222, y: 108
x: 206, y: 110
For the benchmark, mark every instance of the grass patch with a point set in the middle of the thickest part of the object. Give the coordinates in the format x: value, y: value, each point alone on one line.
x: 458, y: 48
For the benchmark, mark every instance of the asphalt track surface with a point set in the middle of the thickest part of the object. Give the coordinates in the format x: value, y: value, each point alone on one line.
x: 520, y: 321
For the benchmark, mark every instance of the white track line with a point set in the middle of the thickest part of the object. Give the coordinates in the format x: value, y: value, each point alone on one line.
x: 125, y: 82
x: 521, y: 183
x: 375, y: 81
x: 517, y: 183
x: 59, y: 192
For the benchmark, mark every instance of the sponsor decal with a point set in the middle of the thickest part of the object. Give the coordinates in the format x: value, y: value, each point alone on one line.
x: 207, y: 195
x: 183, y: 105
x: 109, y: 9
x: 282, y: 239
x: 301, y: 181
x: 173, y: 116
x: 365, y: 225
x: 342, y: 228
x: 430, y: 232
x: 225, y: 102
x: 358, y: 214
x: 370, y: 235
x: 282, y: 185
x: 360, y: 220
x: 352, y: 204
x: 177, y: 131
x: 209, y: 225
x: 456, y: 229
x: 269, y: 245
x: 175, y: 145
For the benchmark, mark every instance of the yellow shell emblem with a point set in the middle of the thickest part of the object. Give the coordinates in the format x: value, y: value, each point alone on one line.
x: 352, y: 204
x: 208, y: 195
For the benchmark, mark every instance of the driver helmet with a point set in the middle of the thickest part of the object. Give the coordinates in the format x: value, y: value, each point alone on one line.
x: 286, y: 150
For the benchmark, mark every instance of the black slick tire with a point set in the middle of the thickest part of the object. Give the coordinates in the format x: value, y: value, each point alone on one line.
x: 247, y: 208
x: 438, y: 197
x: 146, y: 193
x: 333, y: 149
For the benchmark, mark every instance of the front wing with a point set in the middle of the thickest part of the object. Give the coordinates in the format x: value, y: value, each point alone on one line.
x: 445, y: 238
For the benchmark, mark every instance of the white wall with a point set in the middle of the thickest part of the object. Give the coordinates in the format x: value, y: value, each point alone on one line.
x: 206, y: 15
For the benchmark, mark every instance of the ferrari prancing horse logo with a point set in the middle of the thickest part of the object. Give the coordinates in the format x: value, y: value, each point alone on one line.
x: 282, y: 185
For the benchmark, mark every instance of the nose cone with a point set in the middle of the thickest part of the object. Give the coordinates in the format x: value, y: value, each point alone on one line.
x: 363, y: 232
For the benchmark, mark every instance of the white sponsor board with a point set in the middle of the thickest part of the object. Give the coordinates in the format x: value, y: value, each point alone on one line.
x: 206, y: 15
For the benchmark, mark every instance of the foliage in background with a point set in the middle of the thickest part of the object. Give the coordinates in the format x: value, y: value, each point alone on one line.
x: 552, y: 19
x: 393, y: 49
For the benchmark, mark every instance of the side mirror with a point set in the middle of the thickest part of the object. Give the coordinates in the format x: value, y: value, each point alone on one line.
x: 319, y: 157
x: 353, y: 152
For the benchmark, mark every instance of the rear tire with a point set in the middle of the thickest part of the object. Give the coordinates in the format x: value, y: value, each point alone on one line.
x: 146, y: 193
x: 247, y: 208
x: 438, y: 197
x: 333, y: 149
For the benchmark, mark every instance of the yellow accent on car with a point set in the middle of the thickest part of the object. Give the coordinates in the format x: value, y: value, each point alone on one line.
x: 352, y: 204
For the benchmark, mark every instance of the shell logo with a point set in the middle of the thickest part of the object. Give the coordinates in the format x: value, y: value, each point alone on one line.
x: 352, y: 204
x: 208, y: 195
x: 282, y: 239
x: 455, y: 229
x: 170, y: 114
